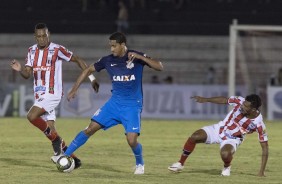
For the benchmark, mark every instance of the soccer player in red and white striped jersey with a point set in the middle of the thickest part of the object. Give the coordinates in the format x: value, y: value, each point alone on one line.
x: 44, y: 63
x: 245, y: 118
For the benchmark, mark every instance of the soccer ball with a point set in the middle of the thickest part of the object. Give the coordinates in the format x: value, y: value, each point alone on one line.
x: 65, y: 164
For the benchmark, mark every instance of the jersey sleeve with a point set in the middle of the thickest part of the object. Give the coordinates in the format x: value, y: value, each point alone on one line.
x: 100, y: 64
x: 28, y: 61
x: 140, y: 60
x: 235, y: 100
x: 64, y: 53
x: 261, y: 130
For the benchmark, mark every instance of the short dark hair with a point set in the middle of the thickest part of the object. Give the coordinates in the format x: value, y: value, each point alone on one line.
x: 118, y: 37
x: 40, y: 26
x: 254, y: 99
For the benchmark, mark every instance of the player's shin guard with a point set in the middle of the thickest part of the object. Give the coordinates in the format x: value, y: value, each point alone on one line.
x: 138, y: 154
x: 78, y: 141
x: 42, y: 125
x: 51, y: 135
x: 187, y: 150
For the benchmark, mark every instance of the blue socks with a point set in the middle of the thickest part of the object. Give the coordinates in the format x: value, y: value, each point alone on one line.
x: 138, y: 154
x: 81, y: 138
x: 78, y: 141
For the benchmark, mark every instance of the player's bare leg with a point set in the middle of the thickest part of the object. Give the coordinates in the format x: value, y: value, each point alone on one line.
x: 34, y: 116
x: 137, y: 150
x: 226, y: 153
x: 92, y: 128
x: 59, y: 144
x: 199, y: 136
x: 48, y: 128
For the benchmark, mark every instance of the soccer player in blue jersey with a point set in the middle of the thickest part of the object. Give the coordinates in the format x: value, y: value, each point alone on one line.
x: 125, y: 68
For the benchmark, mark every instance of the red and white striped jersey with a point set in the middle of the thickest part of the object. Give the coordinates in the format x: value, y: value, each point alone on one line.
x: 47, y: 68
x: 236, y: 125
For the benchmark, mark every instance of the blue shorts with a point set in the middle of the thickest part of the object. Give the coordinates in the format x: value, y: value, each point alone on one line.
x: 113, y: 113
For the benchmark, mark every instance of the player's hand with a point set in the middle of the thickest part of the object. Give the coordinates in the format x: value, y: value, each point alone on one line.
x: 71, y: 95
x: 132, y: 55
x: 16, y: 65
x: 199, y: 99
x: 95, y: 85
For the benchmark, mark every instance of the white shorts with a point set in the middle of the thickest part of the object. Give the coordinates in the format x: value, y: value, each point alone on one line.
x: 213, y: 137
x: 48, y: 102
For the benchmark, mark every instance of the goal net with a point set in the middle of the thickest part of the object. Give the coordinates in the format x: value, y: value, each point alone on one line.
x: 255, y: 57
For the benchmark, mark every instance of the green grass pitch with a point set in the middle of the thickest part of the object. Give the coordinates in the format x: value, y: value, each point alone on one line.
x: 25, y: 155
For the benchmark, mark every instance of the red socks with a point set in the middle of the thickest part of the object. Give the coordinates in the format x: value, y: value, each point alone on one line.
x: 187, y: 150
x: 42, y: 125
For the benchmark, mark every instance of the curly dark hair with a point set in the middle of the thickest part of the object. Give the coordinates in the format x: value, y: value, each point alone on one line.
x: 119, y: 37
x: 255, y: 100
x: 40, y: 26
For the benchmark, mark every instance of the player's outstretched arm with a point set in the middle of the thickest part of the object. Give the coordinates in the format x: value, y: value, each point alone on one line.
x: 264, y: 158
x: 217, y: 100
x: 79, y: 61
x: 25, y: 72
x: 86, y: 72
x: 157, y: 65
x: 81, y: 64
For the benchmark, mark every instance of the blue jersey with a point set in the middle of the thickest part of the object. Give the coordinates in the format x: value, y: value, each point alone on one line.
x: 126, y: 79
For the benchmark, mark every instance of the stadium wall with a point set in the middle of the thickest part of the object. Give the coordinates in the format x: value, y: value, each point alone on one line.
x: 160, y: 101
x: 185, y: 58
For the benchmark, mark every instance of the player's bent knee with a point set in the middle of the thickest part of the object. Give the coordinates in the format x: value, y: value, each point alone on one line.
x: 30, y: 117
x: 132, y: 142
x: 226, y: 154
x: 199, y: 136
x: 92, y: 128
x: 89, y: 132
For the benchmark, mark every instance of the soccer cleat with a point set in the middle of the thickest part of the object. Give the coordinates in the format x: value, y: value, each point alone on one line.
x: 77, y: 162
x: 226, y: 171
x: 139, y: 169
x: 57, y: 146
x: 55, y: 158
x: 176, y: 167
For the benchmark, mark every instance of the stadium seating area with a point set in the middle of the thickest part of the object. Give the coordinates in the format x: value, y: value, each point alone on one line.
x: 193, y: 17
x: 198, y: 31
x: 186, y: 58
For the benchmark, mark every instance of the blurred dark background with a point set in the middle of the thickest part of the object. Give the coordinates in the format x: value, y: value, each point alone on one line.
x: 177, y: 17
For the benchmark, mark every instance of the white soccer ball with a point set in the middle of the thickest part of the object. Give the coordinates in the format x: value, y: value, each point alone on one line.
x: 65, y: 164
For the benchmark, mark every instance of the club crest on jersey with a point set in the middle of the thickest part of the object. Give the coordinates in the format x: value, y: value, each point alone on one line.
x: 129, y: 65
x: 51, y: 51
x: 124, y: 78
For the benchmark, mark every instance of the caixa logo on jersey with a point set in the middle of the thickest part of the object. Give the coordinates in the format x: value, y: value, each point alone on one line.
x: 124, y: 78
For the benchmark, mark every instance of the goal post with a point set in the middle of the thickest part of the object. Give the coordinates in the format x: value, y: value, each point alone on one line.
x: 255, y: 55
x: 233, y: 41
